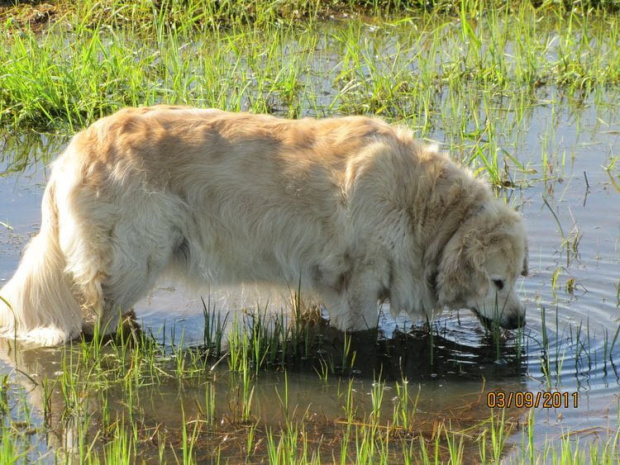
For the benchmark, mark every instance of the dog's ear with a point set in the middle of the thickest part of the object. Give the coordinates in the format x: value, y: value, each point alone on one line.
x: 525, y: 271
x: 461, y: 278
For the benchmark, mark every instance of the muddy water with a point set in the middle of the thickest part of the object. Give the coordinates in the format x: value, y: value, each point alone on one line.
x: 572, y: 210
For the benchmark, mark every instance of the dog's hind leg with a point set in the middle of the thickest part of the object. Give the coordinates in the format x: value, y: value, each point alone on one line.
x: 141, y: 249
x: 116, y: 249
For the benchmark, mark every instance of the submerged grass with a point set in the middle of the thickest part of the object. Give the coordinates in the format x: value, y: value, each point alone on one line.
x: 105, y: 404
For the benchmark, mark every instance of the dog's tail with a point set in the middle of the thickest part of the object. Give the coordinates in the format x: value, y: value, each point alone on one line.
x: 37, y: 304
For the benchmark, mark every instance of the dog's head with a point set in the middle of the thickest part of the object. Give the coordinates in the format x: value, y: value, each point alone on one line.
x: 481, y: 263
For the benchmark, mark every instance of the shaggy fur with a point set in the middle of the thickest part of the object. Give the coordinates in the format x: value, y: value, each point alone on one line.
x: 353, y: 208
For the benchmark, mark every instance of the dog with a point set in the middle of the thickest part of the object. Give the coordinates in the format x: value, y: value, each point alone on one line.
x: 352, y: 208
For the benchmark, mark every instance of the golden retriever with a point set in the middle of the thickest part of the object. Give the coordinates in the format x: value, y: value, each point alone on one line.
x: 353, y: 208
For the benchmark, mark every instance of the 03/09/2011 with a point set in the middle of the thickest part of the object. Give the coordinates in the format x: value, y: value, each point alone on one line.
x: 544, y: 399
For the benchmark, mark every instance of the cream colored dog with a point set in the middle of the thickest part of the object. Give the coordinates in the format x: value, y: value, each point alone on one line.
x: 352, y: 208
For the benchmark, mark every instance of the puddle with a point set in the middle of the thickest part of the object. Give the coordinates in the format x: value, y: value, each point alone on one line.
x: 573, y: 297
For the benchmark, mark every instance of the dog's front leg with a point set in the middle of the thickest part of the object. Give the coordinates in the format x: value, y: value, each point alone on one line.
x: 357, y: 303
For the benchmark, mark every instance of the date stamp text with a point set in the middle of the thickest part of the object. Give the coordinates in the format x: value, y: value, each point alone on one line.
x: 544, y: 399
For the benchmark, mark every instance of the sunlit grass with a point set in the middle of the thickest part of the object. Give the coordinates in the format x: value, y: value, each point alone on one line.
x: 394, y: 68
x: 466, y: 73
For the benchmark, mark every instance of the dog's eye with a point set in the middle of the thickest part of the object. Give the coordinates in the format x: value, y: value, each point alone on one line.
x: 498, y: 284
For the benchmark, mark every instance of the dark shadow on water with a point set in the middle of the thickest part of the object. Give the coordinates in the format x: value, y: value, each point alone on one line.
x: 421, y: 353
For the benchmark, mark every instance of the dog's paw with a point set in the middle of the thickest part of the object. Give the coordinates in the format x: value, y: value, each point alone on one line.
x: 45, y: 336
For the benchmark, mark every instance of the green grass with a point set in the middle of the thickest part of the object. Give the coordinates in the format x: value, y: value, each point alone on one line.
x: 201, y: 14
x: 393, y: 68
x: 467, y: 73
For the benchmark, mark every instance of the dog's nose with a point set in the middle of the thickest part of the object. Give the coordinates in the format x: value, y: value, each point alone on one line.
x: 514, y: 322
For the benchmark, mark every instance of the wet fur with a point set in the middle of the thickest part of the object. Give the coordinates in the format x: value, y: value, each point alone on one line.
x: 352, y: 208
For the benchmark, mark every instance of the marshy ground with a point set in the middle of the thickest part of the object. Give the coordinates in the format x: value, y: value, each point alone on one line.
x: 525, y: 94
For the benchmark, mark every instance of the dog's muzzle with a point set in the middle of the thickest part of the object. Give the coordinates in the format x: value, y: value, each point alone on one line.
x: 511, y: 322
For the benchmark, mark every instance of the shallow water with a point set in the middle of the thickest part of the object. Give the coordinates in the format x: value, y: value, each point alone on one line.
x: 572, y: 213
